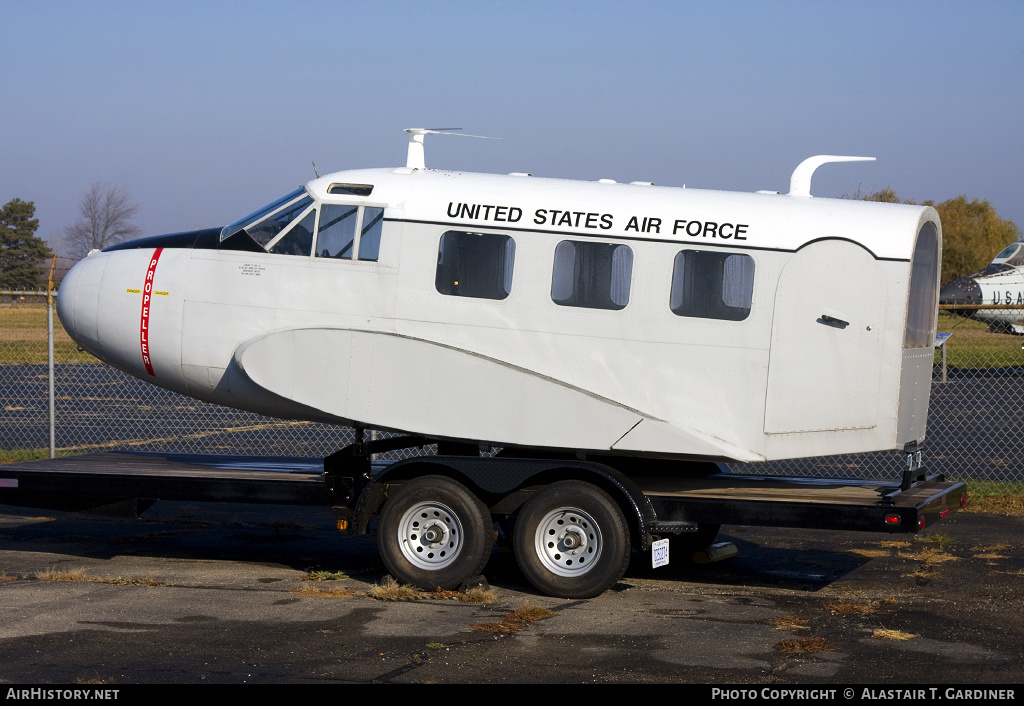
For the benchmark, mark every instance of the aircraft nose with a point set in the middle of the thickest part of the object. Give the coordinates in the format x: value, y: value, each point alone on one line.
x: 77, y: 301
x: 65, y: 295
x: 962, y: 290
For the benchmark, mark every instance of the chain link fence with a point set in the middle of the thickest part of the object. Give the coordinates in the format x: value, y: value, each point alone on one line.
x: 977, y: 405
x: 99, y: 408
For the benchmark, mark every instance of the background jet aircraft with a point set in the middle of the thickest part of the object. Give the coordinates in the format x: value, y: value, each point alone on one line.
x: 1001, y: 282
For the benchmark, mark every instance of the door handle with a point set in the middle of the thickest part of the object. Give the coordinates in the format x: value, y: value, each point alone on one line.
x: 833, y: 321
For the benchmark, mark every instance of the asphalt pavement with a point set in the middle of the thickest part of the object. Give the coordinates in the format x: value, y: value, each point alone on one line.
x: 199, y: 593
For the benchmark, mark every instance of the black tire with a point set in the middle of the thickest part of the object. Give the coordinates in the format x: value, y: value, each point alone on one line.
x: 434, y: 533
x: 571, y: 540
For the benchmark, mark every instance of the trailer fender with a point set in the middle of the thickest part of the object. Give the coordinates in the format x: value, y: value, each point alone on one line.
x: 495, y: 479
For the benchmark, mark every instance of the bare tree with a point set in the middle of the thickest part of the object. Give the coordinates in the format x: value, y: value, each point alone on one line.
x: 106, y: 218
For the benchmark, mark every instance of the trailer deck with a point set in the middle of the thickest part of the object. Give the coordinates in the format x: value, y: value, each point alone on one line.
x: 80, y: 482
x: 92, y: 479
x: 819, y: 503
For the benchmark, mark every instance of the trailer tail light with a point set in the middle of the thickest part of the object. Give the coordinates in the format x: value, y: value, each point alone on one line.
x: 944, y: 512
x: 892, y: 519
x: 963, y: 500
x: 920, y: 522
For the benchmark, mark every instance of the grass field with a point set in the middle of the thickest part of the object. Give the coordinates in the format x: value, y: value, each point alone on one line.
x: 972, y: 346
x: 18, y: 455
x: 996, y: 497
x: 23, y: 337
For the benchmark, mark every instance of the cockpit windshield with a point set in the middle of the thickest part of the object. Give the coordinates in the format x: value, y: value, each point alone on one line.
x: 1012, y: 254
x: 267, y: 229
x: 254, y: 219
x: 290, y: 226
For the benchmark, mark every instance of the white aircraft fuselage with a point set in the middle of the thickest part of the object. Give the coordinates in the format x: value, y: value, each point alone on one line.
x: 515, y: 310
x: 1000, y: 283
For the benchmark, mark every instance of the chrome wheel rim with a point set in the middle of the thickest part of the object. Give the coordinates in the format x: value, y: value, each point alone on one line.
x: 568, y: 542
x: 430, y: 535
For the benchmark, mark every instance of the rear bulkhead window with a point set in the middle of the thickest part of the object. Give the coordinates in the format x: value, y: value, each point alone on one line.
x: 923, y: 298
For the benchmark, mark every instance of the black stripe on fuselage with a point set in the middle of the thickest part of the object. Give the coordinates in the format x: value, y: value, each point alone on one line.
x: 607, y: 236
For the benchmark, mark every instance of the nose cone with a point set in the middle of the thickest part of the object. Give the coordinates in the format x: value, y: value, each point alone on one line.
x: 77, y: 300
x: 963, y: 290
x: 125, y: 307
x: 65, y: 299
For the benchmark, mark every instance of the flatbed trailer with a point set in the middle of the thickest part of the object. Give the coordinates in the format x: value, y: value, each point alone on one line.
x: 102, y: 479
x: 572, y: 522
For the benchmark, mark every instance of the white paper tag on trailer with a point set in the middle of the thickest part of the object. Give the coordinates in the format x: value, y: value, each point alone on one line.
x: 659, y: 553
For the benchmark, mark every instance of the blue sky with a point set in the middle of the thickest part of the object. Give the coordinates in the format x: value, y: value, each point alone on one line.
x: 206, y: 110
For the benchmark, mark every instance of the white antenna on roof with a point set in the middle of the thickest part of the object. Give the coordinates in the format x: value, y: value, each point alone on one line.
x: 800, y: 182
x: 416, y: 160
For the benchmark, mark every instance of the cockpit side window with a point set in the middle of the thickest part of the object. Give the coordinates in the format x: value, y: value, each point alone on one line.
x: 369, y: 239
x: 349, y: 232
x: 337, y: 234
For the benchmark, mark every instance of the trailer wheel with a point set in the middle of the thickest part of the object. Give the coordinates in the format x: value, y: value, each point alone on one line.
x: 434, y: 533
x: 571, y: 540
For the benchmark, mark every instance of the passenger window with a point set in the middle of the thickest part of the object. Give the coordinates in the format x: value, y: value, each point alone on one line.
x: 712, y: 285
x: 337, y: 232
x: 475, y: 265
x: 591, y: 275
